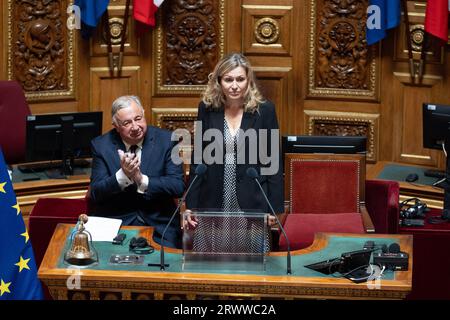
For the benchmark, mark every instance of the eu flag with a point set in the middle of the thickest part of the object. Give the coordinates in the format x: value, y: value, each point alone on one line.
x: 382, y: 15
x: 18, y: 272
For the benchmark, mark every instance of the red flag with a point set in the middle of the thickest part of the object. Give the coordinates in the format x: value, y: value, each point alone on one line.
x: 436, y: 18
x: 144, y: 10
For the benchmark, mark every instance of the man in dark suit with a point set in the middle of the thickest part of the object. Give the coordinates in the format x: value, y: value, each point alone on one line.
x: 133, y: 177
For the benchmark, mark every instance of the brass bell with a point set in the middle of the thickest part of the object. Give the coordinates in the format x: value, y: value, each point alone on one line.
x: 82, y: 252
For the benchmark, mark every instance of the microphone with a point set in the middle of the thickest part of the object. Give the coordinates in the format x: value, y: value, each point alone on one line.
x: 252, y: 173
x: 199, y: 171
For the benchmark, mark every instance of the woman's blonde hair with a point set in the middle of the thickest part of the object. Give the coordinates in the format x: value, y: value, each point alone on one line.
x: 213, y: 96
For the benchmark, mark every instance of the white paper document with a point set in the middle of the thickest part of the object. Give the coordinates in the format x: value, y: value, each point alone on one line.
x: 103, y: 229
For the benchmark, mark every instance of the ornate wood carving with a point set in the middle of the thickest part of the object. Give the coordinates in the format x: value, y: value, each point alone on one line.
x: 267, y: 29
x: 142, y: 296
x: 341, y: 63
x: 205, y: 291
x: 110, y: 296
x: 177, y: 118
x: 327, y: 123
x: 174, y: 118
x: 189, y: 44
x: 41, y: 48
x: 78, y: 295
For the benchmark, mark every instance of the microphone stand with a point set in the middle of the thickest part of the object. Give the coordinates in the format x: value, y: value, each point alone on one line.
x: 162, y: 265
x: 288, y: 262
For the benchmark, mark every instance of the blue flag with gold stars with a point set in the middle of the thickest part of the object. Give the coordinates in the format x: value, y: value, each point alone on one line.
x: 18, y: 272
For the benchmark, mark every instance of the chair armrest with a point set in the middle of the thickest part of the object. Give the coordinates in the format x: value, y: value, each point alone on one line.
x: 382, y: 202
x: 287, y: 203
x: 282, y: 217
x: 367, y: 221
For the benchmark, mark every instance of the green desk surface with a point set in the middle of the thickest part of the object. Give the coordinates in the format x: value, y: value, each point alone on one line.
x: 275, y: 265
x: 37, y: 175
x: 398, y: 173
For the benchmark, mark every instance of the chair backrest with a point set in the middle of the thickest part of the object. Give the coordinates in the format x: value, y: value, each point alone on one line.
x: 13, y: 112
x: 325, y: 183
x: 45, y: 216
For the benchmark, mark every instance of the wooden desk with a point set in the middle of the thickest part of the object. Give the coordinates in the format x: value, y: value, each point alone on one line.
x: 432, y: 196
x: 152, y: 284
x: 431, y: 279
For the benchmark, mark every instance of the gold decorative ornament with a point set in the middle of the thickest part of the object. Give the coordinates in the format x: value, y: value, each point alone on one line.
x: 267, y: 30
x: 417, y: 35
x: 115, y: 30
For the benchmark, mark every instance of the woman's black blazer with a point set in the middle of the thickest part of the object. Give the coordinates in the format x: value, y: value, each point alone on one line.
x: 207, y: 192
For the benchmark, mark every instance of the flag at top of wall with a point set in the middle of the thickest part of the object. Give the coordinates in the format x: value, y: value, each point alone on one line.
x: 144, y: 11
x: 436, y: 18
x: 91, y: 10
x: 382, y: 15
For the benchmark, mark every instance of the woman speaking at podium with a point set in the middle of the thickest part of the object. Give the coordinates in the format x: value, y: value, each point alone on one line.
x: 234, y: 111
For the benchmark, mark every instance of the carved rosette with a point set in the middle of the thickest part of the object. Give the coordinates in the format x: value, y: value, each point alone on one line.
x: 189, y: 44
x: 341, y: 63
x: 40, y: 48
x: 267, y: 30
x: 329, y: 123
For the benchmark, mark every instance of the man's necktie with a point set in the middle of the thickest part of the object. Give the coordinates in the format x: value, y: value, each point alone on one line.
x: 133, y: 149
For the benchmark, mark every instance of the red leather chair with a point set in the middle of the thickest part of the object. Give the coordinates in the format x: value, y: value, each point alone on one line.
x: 45, y: 216
x: 382, y: 203
x: 13, y: 112
x: 326, y: 194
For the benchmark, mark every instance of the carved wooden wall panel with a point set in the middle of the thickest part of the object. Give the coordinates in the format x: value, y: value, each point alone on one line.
x: 116, y: 20
x: 275, y: 84
x: 177, y: 118
x: 341, y: 64
x: 411, y: 145
x: 189, y: 43
x: 105, y: 89
x: 414, y: 90
x: 174, y: 118
x: 267, y: 29
x: 41, y: 49
x: 328, y: 123
x: 433, y: 72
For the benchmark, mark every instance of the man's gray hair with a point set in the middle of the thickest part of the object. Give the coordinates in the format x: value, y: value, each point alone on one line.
x: 124, y: 102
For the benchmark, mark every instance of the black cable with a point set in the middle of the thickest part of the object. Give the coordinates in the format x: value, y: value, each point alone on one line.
x: 332, y: 263
x: 357, y: 268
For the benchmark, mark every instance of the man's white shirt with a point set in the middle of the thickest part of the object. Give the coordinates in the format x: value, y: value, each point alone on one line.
x: 122, y: 178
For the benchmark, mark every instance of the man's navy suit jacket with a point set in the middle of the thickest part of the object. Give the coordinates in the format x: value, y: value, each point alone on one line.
x: 165, y: 183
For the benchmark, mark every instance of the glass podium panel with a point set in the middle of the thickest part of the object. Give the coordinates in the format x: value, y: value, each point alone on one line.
x: 225, y: 241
